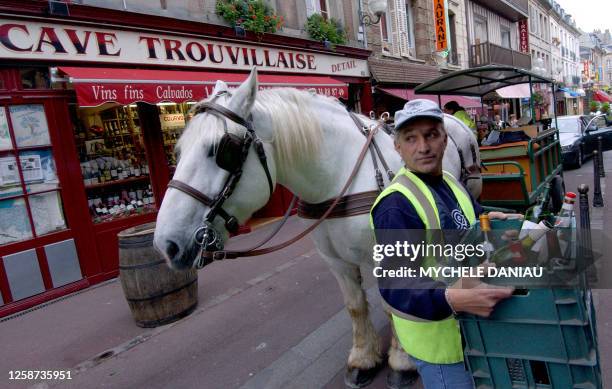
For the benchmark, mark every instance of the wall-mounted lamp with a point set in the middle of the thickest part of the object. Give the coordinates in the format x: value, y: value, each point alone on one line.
x: 376, y: 8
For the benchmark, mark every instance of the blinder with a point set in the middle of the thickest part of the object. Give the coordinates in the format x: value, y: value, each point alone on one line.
x: 229, y: 151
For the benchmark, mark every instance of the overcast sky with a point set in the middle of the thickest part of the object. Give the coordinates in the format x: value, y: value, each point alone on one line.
x: 589, y: 14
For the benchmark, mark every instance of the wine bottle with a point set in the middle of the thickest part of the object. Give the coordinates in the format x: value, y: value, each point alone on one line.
x: 485, y: 227
x: 107, y: 171
x: 539, y: 210
x: 113, y: 171
x: 564, y: 219
x: 530, y: 235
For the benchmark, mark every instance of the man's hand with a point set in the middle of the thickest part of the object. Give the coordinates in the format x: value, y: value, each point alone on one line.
x: 478, y: 301
x: 505, y: 216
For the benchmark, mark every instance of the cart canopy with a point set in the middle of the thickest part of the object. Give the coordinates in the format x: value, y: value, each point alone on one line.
x: 479, y: 81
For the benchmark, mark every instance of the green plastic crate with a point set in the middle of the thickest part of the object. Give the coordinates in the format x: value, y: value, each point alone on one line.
x: 514, y: 373
x: 503, y: 371
x: 542, y: 306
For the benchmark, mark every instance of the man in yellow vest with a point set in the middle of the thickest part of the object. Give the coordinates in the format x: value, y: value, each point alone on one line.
x: 423, y: 198
x: 453, y: 108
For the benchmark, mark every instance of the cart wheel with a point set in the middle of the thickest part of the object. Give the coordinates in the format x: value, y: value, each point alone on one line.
x: 557, y: 193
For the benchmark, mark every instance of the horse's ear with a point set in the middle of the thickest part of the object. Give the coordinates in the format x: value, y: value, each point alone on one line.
x: 220, y: 87
x: 244, y: 97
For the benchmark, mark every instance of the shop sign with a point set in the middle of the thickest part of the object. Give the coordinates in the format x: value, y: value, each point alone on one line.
x: 523, y: 36
x: 61, y: 42
x: 92, y: 94
x: 440, y: 25
x: 171, y: 121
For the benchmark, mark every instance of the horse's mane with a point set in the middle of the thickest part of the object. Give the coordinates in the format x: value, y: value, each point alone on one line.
x: 293, y: 118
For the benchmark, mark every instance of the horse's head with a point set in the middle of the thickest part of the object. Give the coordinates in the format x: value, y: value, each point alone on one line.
x: 220, y: 179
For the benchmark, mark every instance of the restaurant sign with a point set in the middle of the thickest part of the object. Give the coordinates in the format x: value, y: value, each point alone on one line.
x: 523, y: 36
x: 61, y: 42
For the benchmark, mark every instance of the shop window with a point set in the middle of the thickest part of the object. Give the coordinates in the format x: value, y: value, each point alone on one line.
x: 173, y: 118
x: 35, y: 78
x: 114, y: 165
x: 30, y: 198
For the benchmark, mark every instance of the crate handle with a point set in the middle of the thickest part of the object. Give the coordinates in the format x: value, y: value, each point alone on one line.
x: 520, y: 292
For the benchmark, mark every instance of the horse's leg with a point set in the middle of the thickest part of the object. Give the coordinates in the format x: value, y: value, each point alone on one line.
x: 403, y: 371
x: 365, y: 356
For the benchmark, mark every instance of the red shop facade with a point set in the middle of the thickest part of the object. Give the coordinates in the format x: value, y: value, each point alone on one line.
x: 89, y: 115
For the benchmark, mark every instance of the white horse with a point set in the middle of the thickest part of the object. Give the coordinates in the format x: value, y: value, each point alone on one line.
x: 311, y: 146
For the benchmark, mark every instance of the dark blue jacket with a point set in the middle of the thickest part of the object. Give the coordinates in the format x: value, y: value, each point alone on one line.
x: 421, y: 297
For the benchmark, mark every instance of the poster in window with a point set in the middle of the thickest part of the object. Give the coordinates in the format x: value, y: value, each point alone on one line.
x: 9, y: 175
x: 47, y: 213
x: 39, y: 172
x: 30, y: 125
x: 5, y: 135
x: 14, y: 223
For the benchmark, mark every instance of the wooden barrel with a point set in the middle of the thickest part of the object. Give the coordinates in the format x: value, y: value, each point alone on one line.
x: 156, y: 294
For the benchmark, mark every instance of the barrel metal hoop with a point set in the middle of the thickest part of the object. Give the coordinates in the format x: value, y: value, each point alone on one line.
x: 134, y: 300
x: 167, y: 320
x: 142, y: 265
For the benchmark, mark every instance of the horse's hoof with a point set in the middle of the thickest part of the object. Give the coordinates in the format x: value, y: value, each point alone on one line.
x: 401, y: 379
x: 358, y: 378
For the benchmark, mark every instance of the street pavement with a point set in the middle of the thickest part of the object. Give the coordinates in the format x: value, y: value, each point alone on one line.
x: 275, y: 321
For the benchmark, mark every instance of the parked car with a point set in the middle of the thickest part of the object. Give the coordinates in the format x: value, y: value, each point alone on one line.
x: 577, y: 141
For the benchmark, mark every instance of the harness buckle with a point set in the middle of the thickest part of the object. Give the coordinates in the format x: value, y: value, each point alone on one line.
x: 219, y: 255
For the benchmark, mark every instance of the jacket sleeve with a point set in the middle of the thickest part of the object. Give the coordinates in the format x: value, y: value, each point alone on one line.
x: 396, y: 220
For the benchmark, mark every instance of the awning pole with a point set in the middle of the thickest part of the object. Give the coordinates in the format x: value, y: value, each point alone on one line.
x: 552, y: 86
x: 439, y: 101
x: 531, y: 105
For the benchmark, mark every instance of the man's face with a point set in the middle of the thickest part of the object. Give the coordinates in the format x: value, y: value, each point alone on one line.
x: 421, y: 144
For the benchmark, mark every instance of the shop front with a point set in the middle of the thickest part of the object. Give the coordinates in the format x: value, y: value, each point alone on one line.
x: 88, y: 122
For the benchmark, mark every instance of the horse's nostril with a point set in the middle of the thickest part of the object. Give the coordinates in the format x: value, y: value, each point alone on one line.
x: 172, y: 249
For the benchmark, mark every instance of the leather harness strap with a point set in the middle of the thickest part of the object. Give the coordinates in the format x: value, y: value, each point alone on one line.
x: 350, y: 205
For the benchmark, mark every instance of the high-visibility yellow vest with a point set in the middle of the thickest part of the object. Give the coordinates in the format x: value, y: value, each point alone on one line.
x: 466, y: 119
x: 431, y: 341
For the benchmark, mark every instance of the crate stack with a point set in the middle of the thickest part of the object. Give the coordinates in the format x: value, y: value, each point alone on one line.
x: 538, y: 338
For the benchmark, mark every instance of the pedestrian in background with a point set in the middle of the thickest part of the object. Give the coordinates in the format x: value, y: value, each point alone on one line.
x: 453, y: 108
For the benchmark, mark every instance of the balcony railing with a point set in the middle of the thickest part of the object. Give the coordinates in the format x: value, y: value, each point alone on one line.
x: 491, y: 54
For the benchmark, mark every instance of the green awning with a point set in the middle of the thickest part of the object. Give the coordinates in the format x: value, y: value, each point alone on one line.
x: 479, y: 81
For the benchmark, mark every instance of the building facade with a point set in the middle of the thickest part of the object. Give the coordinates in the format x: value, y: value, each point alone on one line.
x: 493, y: 32
x: 405, y: 52
x: 92, y: 101
x: 539, y: 34
x: 565, y: 60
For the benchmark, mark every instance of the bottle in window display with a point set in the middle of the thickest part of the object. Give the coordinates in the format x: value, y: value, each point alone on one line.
x: 113, y: 171
x: 107, y: 171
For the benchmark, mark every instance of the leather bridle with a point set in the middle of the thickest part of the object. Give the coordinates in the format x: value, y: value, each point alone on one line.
x: 231, y: 156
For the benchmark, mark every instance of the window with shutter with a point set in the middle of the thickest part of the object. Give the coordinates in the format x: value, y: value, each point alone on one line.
x: 385, y: 34
x: 317, y: 6
x: 402, y: 27
x: 311, y: 7
x: 395, y: 40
